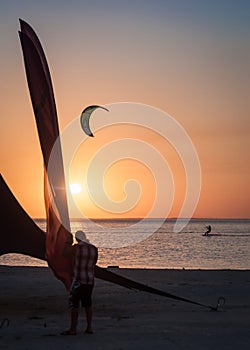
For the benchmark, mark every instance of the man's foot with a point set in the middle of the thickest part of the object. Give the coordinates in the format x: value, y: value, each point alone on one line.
x: 89, y: 331
x: 69, y: 332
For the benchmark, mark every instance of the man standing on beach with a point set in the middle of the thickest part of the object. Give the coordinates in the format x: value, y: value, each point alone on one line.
x: 85, y: 258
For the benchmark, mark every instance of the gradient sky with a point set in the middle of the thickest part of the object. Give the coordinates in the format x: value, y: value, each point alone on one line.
x: 190, y: 59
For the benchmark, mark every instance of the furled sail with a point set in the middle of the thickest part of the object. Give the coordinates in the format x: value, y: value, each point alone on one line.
x: 42, y: 97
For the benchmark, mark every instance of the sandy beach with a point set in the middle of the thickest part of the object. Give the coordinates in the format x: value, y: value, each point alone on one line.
x: 34, y: 310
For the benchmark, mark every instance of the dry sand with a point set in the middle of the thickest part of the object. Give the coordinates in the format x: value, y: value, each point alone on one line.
x: 35, y: 304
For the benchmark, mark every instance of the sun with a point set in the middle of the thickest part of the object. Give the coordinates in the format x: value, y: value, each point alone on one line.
x: 75, y: 188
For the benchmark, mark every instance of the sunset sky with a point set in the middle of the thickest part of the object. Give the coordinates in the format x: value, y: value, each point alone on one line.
x: 190, y: 59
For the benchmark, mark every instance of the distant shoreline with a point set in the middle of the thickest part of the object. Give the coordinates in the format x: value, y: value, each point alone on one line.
x: 138, y: 219
x: 116, y: 269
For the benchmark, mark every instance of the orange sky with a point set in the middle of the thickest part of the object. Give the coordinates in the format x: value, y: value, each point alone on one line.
x: 193, y: 63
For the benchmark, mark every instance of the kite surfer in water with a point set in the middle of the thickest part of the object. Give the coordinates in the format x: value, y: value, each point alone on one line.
x: 209, y: 228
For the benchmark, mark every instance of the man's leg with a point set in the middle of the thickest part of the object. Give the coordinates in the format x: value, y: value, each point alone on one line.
x: 74, y: 320
x: 89, y: 316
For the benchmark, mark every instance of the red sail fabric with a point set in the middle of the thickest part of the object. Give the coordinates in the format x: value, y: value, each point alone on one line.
x: 43, y: 102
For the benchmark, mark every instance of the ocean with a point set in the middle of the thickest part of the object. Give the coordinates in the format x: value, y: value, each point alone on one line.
x: 227, y: 248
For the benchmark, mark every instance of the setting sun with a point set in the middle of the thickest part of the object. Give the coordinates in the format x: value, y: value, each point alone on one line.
x: 75, y: 188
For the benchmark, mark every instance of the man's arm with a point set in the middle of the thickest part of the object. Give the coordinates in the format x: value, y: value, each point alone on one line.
x: 96, y: 258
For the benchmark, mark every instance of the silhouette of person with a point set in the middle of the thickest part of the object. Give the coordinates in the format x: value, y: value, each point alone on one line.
x: 209, y: 228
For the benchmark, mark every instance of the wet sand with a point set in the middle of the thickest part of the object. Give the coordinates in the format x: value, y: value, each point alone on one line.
x: 34, y: 310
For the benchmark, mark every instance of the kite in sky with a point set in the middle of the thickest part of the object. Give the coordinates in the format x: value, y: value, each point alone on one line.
x: 85, y: 116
